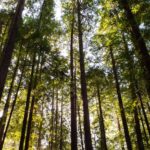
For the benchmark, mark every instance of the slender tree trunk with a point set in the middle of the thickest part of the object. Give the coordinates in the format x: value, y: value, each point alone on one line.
x: 72, y: 91
x: 80, y: 128
x: 133, y: 95
x: 120, y: 134
x: 143, y: 110
x: 87, y: 130
x: 138, y: 130
x: 3, y: 35
x: 32, y: 107
x: 123, y: 116
x: 102, y: 126
x: 13, y: 105
x: 61, y: 125
x: 24, y: 123
x: 138, y: 39
x: 9, y: 46
x: 145, y: 134
x: 6, y: 107
x: 56, y: 122
x: 52, y: 119
x: 40, y: 131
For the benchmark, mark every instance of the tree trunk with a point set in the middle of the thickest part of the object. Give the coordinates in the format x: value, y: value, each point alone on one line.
x: 87, y: 130
x: 138, y: 130
x: 61, y: 125
x: 80, y: 128
x: 6, y: 107
x: 120, y: 134
x: 133, y: 95
x: 9, y: 46
x: 72, y: 91
x: 24, y: 123
x: 52, y: 119
x: 102, y: 126
x: 14, y: 103
x: 56, y: 122
x: 32, y: 107
x: 123, y: 116
x: 145, y: 134
x: 138, y: 39
x: 143, y: 110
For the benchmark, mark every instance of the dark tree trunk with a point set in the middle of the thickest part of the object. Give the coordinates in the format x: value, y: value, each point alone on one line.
x: 123, y: 116
x: 29, y: 124
x: 143, y: 109
x: 9, y: 46
x: 13, y: 104
x: 102, y: 126
x: 6, y: 107
x: 61, y: 125
x: 120, y: 134
x: 72, y: 91
x: 87, y: 130
x: 138, y: 130
x: 24, y: 123
x: 133, y: 95
x: 32, y: 107
x: 80, y: 128
x: 144, y: 130
x: 3, y: 35
x: 137, y: 37
x: 52, y: 120
x: 56, y: 122
x: 40, y: 129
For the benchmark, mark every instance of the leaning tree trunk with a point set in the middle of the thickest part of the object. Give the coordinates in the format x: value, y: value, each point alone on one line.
x: 123, y: 116
x: 13, y: 104
x: 144, y: 130
x: 24, y: 123
x: 6, y: 107
x: 143, y: 110
x: 102, y: 126
x: 137, y: 37
x: 9, y: 46
x: 87, y: 130
x: 133, y: 95
x: 32, y: 107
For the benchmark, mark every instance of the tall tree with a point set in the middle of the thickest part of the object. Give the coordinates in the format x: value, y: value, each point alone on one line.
x: 9, y: 46
x: 87, y: 130
x: 123, y: 116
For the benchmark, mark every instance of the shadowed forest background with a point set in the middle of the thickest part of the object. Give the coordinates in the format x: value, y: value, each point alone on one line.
x: 74, y: 75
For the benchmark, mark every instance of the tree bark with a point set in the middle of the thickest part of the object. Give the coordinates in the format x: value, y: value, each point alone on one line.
x: 32, y: 107
x: 13, y: 105
x: 6, y: 107
x: 9, y: 45
x: 24, y: 123
x: 138, y: 39
x: 61, y: 125
x: 72, y: 90
x: 143, y: 110
x: 87, y: 130
x: 144, y: 130
x: 123, y: 116
x: 133, y: 96
x: 102, y: 126
x: 80, y: 128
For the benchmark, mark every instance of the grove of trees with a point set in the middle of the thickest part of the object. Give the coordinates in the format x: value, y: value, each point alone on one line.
x: 74, y: 75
